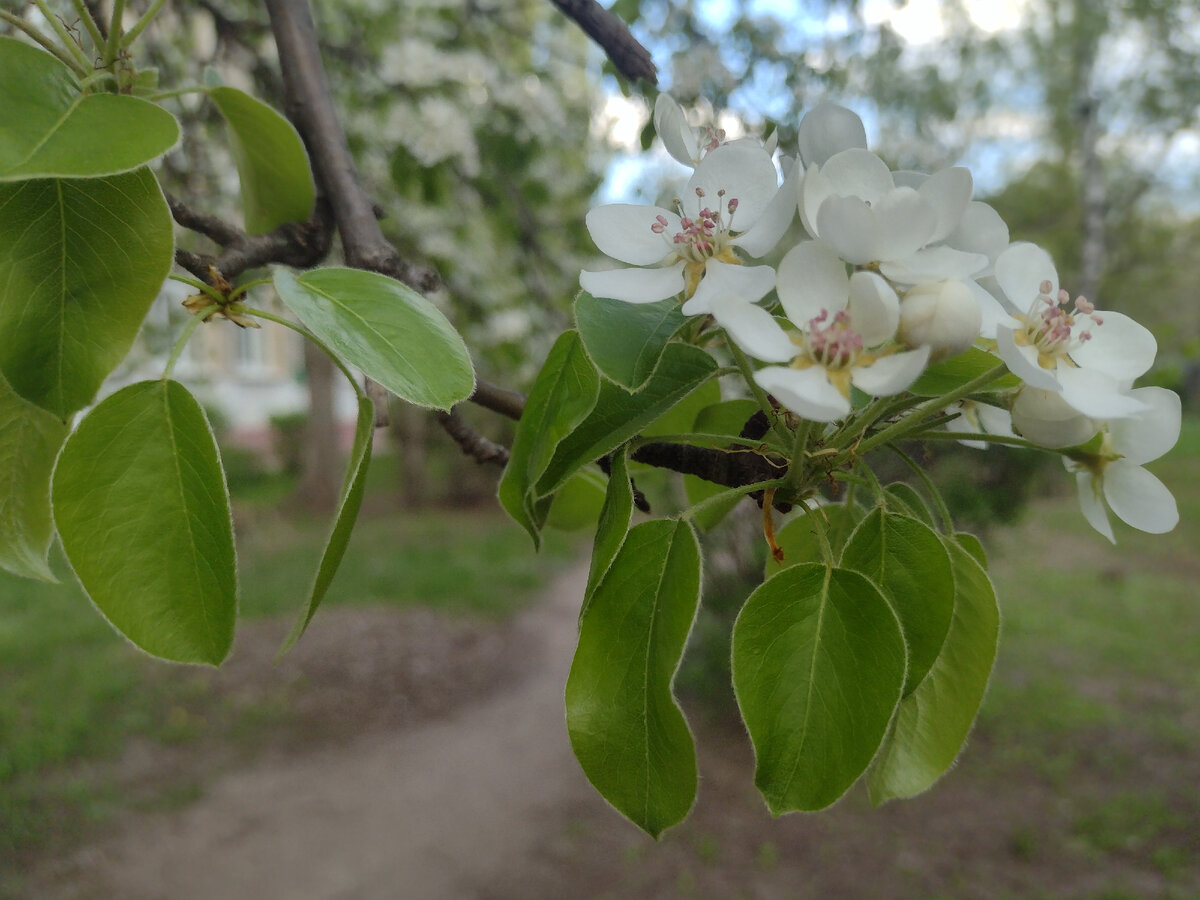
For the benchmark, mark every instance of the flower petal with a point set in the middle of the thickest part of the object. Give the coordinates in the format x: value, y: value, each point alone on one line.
x: 1148, y: 435
x: 1139, y: 499
x: 806, y: 392
x: 1095, y: 394
x: 622, y: 231
x: 1092, y: 506
x: 980, y: 231
x: 890, y: 375
x: 992, y: 311
x: 744, y: 171
x: 848, y: 225
x: 670, y: 123
x: 634, y: 285
x: 761, y: 237
x: 1048, y: 420
x: 748, y: 284
x: 906, y: 222
x: 874, y: 308
x: 858, y: 173
x: 753, y: 329
x: 827, y: 129
x: 1022, y: 360
x: 1021, y: 269
x: 934, y: 264
x: 811, y: 278
x: 948, y: 192
x: 1120, y: 348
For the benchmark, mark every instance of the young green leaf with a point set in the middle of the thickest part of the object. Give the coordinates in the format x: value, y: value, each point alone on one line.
x: 48, y: 129
x: 143, y: 513
x: 385, y: 329
x: 578, y: 503
x: 907, y: 560
x: 818, y: 666
x: 80, y: 263
x: 903, y: 498
x: 277, y: 185
x: 613, y: 524
x: 626, y: 340
x: 974, y: 546
x: 932, y: 723
x: 343, y: 524
x: 626, y: 729
x: 618, y: 415
x: 944, y: 376
x: 29, y: 441
x: 562, y: 396
x: 799, y: 541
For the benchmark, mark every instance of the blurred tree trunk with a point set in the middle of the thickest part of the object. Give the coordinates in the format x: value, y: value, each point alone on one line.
x: 321, y: 475
x: 410, y: 427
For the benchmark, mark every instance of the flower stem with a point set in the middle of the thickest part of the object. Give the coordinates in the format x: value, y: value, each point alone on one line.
x: 743, y: 364
x: 131, y: 35
x: 199, y: 285
x: 113, y: 47
x: 716, y: 499
x: 48, y: 45
x: 67, y: 39
x: 89, y: 24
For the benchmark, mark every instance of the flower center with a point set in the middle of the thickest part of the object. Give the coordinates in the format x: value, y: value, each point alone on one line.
x: 1050, y: 326
x: 704, y: 237
x: 835, y: 345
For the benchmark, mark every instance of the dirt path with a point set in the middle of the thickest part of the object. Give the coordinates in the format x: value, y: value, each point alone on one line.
x: 425, y: 812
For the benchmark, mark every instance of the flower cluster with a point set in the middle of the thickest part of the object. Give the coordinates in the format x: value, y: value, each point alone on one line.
x: 895, y: 271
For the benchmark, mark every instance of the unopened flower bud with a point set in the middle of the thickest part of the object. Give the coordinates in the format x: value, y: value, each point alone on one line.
x: 943, y: 315
x: 1045, y: 418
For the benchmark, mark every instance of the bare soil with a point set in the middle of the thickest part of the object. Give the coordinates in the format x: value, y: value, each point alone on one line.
x: 427, y: 758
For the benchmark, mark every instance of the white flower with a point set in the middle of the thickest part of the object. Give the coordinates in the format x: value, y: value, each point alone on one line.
x: 687, y: 144
x: 979, y: 418
x: 943, y: 315
x: 1048, y: 420
x: 1074, y: 351
x: 1114, y: 475
x: 828, y: 129
x: 844, y: 323
x: 732, y: 201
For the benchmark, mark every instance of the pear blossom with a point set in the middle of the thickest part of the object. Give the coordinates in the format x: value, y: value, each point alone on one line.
x: 1070, y: 349
x: 843, y: 324
x: 1114, y: 476
x: 732, y: 202
x: 980, y: 418
x: 1048, y: 420
x: 943, y: 315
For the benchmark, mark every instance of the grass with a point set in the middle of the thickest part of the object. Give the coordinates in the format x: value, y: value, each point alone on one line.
x: 73, y: 691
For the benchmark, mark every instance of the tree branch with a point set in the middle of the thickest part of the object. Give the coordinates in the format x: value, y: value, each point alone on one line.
x: 473, y: 443
x: 606, y: 29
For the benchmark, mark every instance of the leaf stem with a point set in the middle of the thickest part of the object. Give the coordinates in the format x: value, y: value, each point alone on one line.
x: 200, y: 285
x: 46, y: 44
x: 113, y: 46
x: 301, y: 330
x: 938, y: 500
x: 798, y: 469
x: 185, y: 336
x: 242, y: 288
x: 1003, y: 439
x: 89, y: 24
x: 131, y: 35
x: 67, y: 39
x: 716, y: 499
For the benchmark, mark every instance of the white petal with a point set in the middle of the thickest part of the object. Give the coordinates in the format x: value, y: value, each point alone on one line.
x: 890, y: 374
x: 994, y: 419
x: 992, y: 311
x: 746, y: 283
x: 849, y: 226
x: 1121, y: 347
x: 811, y: 278
x: 1139, y: 499
x: 962, y: 424
x: 744, y: 171
x: 1022, y: 361
x: 764, y: 234
x: 670, y: 122
x: 622, y: 231
x: 1095, y: 394
x: 1021, y: 269
x: 827, y: 129
x: 1148, y: 435
x: 874, y: 308
x: 948, y: 192
x: 858, y: 173
x: 806, y: 392
x: 1048, y: 420
x: 634, y: 285
x: 814, y: 189
x: 980, y: 231
x: 906, y: 222
x: 934, y: 264
x: 754, y: 330
x: 1091, y: 504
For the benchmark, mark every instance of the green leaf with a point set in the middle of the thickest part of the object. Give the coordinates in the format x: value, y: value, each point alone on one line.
x: 681, y: 418
x: 974, y: 546
x: 626, y: 729
x: 798, y: 538
x: 562, y: 396
x: 48, y: 129
x: 726, y: 418
x: 943, y: 377
x: 613, y: 524
x: 619, y: 415
x: 386, y: 330
x: 143, y: 513
x: 343, y: 524
x: 903, y: 498
x: 80, y: 263
x: 29, y: 441
x: 277, y: 185
x: 907, y: 561
x: 577, y: 504
x: 626, y: 340
x: 818, y: 665
x: 932, y: 723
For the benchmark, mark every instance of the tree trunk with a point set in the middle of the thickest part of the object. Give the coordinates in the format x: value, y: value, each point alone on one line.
x: 321, y: 475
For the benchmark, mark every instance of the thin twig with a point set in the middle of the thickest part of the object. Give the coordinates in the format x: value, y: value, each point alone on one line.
x: 606, y: 29
x: 473, y: 443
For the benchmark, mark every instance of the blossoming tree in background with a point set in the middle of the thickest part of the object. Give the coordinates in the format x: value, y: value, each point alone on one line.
x: 898, y: 310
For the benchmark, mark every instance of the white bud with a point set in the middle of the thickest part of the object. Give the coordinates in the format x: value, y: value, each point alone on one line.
x: 942, y: 315
x: 1045, y: 418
